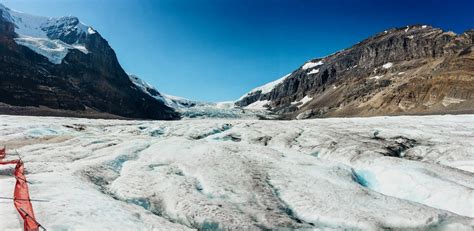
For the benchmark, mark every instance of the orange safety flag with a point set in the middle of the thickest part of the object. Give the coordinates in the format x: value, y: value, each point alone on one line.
x: 3, y: 153
x: 9, y: 162
x: 21, y: 197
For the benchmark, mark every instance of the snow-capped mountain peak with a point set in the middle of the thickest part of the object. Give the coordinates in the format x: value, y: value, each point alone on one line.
x: 46, y: 27
x: 50, y: 37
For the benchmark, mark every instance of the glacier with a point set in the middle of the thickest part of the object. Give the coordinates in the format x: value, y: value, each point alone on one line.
x: 192, y: 109
x: 55, y: 50
x: 407, y: 172
x: 42, y: 34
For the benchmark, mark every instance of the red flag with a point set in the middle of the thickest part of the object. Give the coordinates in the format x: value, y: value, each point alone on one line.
x: 21, y: 195
x: 9, y: 162
x: 22, y: 199
x: 3, y: 153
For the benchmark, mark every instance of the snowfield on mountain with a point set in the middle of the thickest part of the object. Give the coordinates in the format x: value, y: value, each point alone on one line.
x: 354, y: 173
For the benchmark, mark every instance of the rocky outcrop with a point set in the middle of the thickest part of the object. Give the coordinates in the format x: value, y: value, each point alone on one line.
x: 412, y: 70
x: 82, y: 84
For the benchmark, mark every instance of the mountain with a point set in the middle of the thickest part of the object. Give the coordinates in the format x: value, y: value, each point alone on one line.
x: 411, y: 70
x: 192, y: 109
x: 61, y: 67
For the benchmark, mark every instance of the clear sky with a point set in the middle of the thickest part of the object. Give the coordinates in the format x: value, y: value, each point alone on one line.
x: 216, y: 50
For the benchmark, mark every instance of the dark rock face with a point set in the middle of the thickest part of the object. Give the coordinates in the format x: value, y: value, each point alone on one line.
x: 93, y: 82
x: 411, y: 70
x: 65, y: 29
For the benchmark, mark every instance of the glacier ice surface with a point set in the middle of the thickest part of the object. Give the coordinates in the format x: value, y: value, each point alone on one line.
x: 244, y: 174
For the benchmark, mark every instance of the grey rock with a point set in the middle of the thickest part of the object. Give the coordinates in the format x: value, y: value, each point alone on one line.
x: 429, y: 65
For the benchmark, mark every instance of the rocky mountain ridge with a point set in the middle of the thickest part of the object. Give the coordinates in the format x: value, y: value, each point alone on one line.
x: 411, y: 70
x: 62, y: 67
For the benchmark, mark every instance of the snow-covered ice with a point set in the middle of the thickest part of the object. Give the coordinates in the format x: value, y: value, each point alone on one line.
x: 314, y: 71
x: 387, y: 65
x: 35, y: 32
x: 54, y: 50
x: 91, y: 31
x: 258, y: 105
x: 310, y: 65
x: 376, y: 77
x: 266, y: 88
x: 191, y: 109
x: 303, y: 101
x: 342, y: 173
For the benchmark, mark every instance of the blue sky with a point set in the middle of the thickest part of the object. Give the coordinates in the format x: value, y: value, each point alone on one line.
x: 216, y: 50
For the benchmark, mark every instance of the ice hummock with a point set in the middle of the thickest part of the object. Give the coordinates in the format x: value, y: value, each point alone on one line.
x: 244, y: 174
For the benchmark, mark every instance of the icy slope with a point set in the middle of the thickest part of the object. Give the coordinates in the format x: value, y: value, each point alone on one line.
x: 191, y: 109
x: 266, y: 88
x: 360, y: 173
x: 50, y: 37
x: 54, y: 50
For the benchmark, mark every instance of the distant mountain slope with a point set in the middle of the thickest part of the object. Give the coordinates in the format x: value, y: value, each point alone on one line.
x: 59, y: 66
x: 412, y: 70
x: 192, y: 109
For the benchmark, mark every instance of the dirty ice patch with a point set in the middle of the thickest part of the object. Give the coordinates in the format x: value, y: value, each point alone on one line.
x: 449, y: 100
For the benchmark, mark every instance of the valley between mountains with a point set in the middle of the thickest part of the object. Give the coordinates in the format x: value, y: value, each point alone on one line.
x: 62, y: 67
x: 377, y: 136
